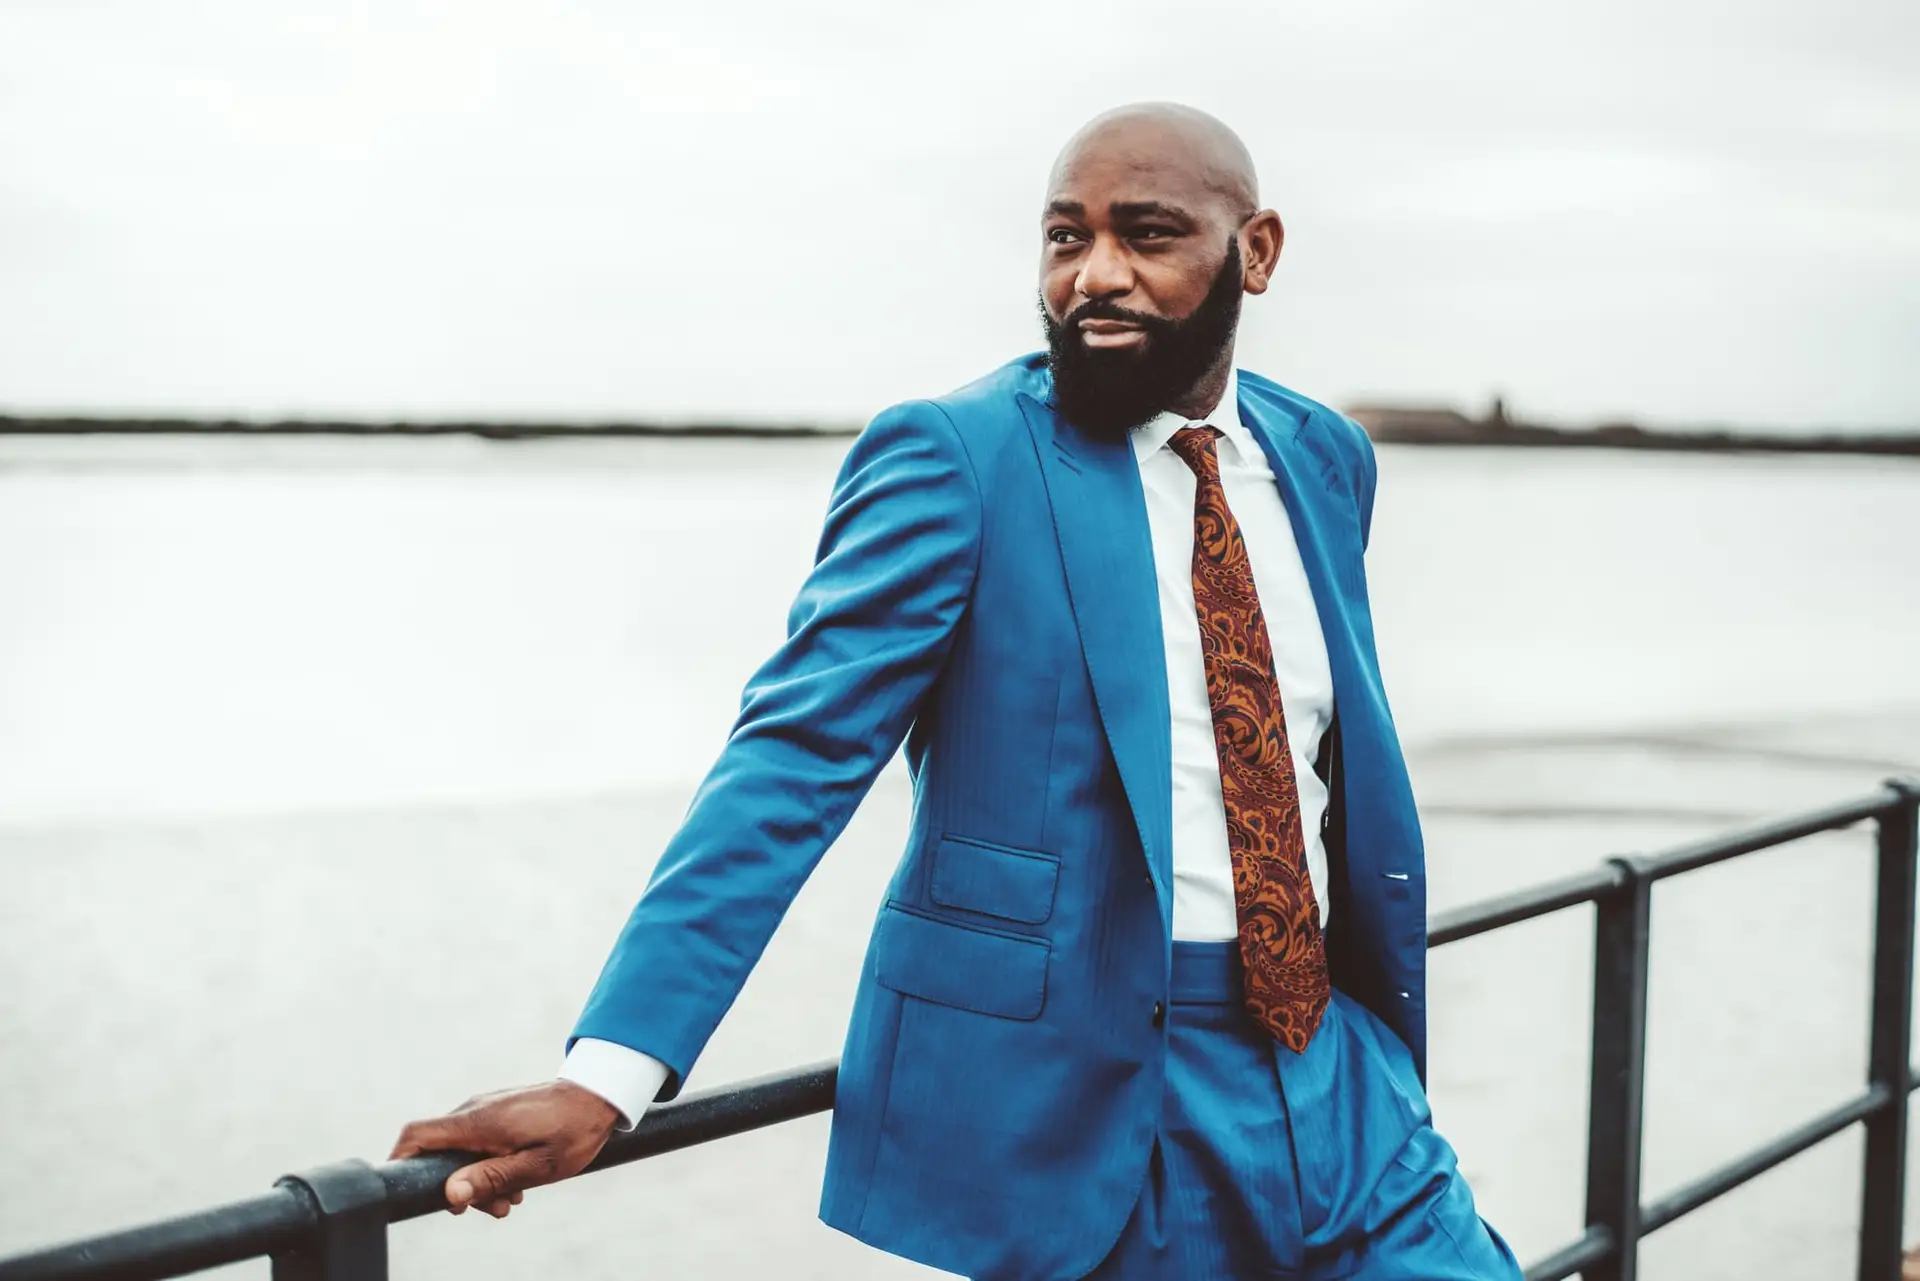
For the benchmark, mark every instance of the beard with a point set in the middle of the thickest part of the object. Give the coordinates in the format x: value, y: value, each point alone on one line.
x: 1109, y: 393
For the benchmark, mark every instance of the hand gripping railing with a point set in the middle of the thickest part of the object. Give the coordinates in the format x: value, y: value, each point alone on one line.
x: 330, y: 1224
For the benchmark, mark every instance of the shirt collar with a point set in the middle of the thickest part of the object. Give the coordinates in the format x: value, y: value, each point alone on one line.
x: 1158, y: 430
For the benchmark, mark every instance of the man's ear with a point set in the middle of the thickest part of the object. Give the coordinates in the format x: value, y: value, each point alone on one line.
x: 1261, y: 238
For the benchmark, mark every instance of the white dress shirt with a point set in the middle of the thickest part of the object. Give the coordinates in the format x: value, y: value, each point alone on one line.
x: 1203, y: 904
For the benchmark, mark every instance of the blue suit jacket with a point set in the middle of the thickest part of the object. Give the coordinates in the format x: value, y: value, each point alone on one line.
x: 985, y: 590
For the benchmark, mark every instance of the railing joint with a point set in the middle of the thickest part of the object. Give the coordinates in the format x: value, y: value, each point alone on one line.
x: 349, y: 1238
x: 1633, y: 868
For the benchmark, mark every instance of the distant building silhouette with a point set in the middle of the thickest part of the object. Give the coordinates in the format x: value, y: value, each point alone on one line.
x: 1430, y: 423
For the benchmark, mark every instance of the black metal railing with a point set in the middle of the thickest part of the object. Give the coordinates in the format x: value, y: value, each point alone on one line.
x: 331, y: 1224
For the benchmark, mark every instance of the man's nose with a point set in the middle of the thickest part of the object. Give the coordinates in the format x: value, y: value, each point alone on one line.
x: 1106, y: 273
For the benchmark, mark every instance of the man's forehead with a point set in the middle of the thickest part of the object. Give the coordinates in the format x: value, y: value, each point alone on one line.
x: 1116, y: 185
x: 1140, y: 161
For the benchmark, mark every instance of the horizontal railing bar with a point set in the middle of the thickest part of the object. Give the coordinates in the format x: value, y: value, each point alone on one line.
x: 415, y: 1188
x: 1686, y: 1200
x: 1688, y: 858
x: 721, y: 1113
x: 1595, y: 1247
x: 1511, y: 909
x: 174, y: 1247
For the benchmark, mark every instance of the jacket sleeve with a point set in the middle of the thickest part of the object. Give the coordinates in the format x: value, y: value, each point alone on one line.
x: 866, y: 638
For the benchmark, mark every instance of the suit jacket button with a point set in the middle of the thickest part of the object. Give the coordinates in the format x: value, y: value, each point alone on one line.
x: 1159, y: 1014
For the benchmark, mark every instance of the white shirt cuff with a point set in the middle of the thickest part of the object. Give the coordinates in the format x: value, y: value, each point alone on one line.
x: 623, y: 1077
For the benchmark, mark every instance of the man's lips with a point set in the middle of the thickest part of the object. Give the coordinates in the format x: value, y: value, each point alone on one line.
x: 1111, y: 333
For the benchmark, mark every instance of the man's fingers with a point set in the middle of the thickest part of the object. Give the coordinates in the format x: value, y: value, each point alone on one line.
x: 437, y: 1134
x: 499, y: 1209
x: 498, y: 1178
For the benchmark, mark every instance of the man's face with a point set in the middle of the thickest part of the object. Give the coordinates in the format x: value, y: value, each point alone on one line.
x: 1140, y: 282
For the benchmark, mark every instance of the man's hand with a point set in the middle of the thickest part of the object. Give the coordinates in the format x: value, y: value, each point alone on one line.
x: 535, y: 1135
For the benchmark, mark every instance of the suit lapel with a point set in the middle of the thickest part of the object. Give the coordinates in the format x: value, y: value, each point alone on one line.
x: 1309, y: 490
x: 1100, y: 519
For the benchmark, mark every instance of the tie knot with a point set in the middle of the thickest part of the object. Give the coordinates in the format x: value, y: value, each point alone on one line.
x: 1195, y: 445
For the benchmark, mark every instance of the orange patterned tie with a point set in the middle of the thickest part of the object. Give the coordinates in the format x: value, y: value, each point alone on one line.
x: 1280, y: 940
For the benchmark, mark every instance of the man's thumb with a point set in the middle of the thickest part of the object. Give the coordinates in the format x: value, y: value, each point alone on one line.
x: 497, y: 1177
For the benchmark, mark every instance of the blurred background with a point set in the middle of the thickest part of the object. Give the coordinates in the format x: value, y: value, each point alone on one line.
x: 330, y: 765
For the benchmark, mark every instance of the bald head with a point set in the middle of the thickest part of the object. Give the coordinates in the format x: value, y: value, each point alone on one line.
x: 1151, y: 234
x: 1165, y: 141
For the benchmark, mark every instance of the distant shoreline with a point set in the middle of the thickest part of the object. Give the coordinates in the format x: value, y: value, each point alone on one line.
x: 1384, y: 425
x: 1444, y: 425
x: 22, y: 425
x: 1892, y: 444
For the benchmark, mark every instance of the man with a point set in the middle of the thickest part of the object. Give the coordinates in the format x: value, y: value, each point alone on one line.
x: 1147, y: 994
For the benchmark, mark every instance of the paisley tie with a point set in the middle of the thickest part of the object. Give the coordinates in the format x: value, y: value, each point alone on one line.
x: 1280, y: 941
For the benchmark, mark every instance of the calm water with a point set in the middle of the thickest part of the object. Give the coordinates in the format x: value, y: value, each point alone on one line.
x: 328, y: 769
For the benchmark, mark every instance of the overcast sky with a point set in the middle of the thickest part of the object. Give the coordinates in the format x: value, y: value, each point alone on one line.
x: 1671, y: 209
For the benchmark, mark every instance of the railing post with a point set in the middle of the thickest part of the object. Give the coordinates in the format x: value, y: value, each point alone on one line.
x: 350, y: 1243
x: 1623, y: 921
x: 1883, y: 1197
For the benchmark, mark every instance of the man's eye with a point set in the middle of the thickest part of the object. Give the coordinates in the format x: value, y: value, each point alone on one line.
x: 1062, y: 236
x: 1154, y: 233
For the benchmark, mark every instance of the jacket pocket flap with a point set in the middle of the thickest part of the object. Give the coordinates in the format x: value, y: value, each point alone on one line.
x: 953, y: 964
x: 995, y: 880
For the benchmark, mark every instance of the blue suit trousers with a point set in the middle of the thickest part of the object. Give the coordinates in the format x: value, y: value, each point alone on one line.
x: 1318, y: 1165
